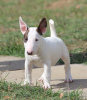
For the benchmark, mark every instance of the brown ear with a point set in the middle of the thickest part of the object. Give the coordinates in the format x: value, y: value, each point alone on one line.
x: 41, y: 29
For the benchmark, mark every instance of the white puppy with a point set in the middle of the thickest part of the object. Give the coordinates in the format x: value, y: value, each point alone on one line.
x: 43, y: 52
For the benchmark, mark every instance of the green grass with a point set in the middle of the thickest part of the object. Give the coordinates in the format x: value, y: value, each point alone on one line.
x: 70, y: 22
x: 9, y: 91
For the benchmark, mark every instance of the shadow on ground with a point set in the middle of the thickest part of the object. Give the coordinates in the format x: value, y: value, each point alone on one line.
x: 13, y: 65
x: 77, y: 84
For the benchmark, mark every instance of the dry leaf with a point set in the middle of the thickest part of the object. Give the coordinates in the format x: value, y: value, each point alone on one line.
x: 78, y: 6
x: 6, y: 97
x: 61, y: 95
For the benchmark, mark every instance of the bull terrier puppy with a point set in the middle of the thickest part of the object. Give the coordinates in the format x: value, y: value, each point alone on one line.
x: 43, y: 52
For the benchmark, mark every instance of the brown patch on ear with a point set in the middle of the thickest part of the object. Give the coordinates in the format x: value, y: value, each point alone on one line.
x: 42, y: 26
x: 26, y: 35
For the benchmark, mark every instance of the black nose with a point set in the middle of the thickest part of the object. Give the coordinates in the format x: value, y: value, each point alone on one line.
x: 29, y: 53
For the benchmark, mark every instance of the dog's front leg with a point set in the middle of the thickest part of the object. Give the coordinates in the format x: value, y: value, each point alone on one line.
x: 28, y: 72
x: 47, y: 75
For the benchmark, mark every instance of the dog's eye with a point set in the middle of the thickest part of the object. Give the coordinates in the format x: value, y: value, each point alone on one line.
x: 25, y: 40
x: 36, y: 39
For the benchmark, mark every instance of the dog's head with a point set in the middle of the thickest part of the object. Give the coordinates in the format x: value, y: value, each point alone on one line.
x: 32, y: 35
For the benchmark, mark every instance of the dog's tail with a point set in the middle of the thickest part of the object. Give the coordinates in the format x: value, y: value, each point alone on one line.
x: 52, y: 28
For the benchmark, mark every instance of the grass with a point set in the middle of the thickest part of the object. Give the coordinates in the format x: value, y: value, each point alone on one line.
x: 70, y: 22
x: 9, y: 91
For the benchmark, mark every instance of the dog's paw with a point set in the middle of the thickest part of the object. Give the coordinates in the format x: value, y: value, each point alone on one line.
x: 68, y: 79
x: 45, y: 82
x: 46, y: 85
x: 27, y: 82
x: 42, y: 78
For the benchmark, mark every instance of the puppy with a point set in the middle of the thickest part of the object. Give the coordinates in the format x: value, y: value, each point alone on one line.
x: 43, y: 52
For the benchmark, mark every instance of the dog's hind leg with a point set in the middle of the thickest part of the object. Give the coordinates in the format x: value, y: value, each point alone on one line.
x: 68, y: 77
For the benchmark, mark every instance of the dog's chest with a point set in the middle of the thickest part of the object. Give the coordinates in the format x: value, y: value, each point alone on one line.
x: 35, y: 60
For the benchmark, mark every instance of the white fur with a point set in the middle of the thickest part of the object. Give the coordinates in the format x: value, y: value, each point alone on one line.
x: 52, y: 28
x: 46, y: 52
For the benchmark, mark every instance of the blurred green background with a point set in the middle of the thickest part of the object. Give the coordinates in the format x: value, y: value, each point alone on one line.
x: 70, y: 18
